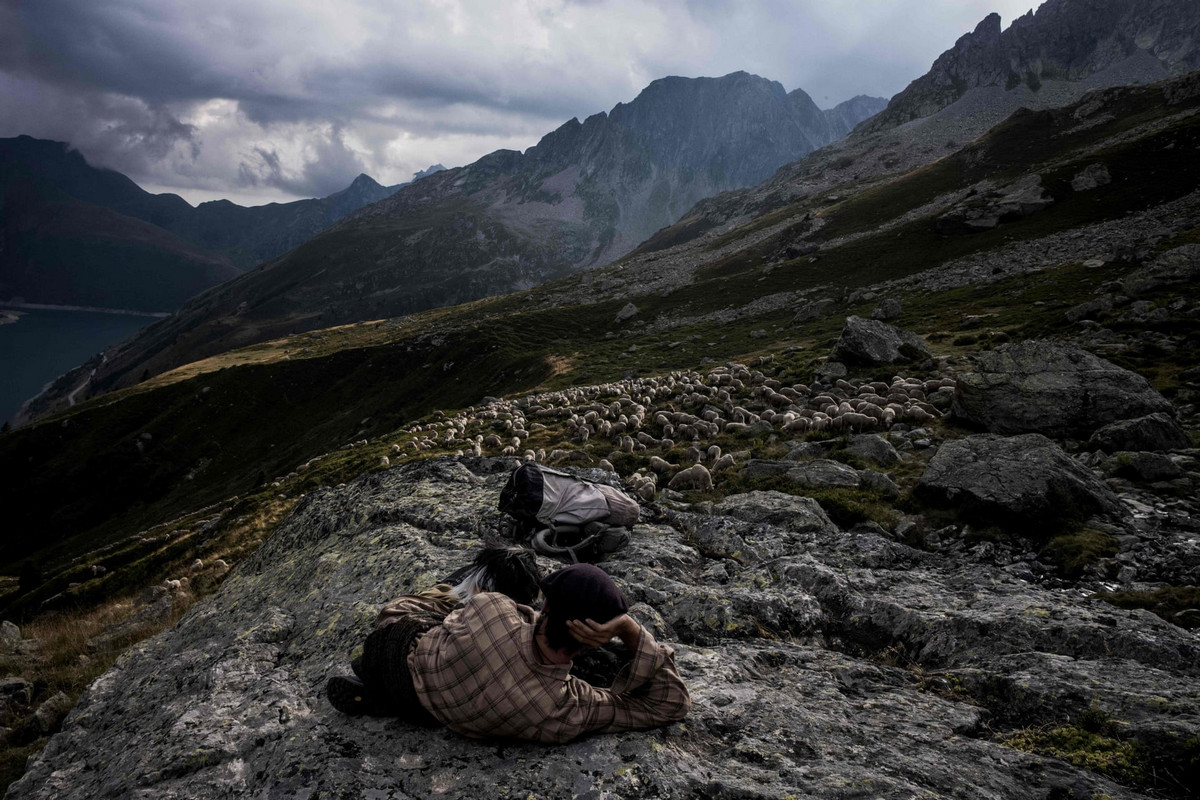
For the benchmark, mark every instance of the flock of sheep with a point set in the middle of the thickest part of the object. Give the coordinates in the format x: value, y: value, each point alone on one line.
x: 684, y: 408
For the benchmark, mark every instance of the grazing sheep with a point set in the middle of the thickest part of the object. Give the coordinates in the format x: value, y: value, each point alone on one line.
x: 395, y: 450
x: 605, y: 464
x: 724, y: 462
x: 714, y: 452
x: 696, y: 477
x: 659, y: 465
x: 384, y: 461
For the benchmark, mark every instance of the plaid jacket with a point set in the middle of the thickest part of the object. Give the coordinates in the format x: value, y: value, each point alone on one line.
x: 479, y: 674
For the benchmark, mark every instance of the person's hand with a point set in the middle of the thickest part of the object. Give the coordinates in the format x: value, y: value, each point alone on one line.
x: 594, y: 634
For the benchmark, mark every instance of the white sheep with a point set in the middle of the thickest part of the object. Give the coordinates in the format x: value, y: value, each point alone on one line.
x: 723, y: 463
x: 695, y: 477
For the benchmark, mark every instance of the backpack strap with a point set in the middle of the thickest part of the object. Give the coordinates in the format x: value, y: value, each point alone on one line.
x: 541, y: 543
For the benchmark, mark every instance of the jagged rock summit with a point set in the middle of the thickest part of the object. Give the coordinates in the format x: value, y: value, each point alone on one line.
x: 1133, y: 41
x: 792, y: 634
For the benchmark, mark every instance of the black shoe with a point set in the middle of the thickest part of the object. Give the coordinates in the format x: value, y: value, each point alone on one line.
x: 348, y: 695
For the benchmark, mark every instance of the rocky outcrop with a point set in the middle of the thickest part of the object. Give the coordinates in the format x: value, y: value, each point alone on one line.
x: 1174, y: 268
x: 1158, y: 431
x: 793, y: 636
x: 869, y: 341
x: 1018, y: 480
x: 1056, y: 390
x: 985, y: 208
x: 1064, y: 40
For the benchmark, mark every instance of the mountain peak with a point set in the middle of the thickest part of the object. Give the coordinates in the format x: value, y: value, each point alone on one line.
x: 365, y: 181
x: 1123, y: 41
x: 989, y: 28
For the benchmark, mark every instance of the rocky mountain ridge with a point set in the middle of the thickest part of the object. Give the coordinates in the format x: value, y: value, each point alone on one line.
x: 1064, y: 40
x: 585, y: 194
x: 77, y: 235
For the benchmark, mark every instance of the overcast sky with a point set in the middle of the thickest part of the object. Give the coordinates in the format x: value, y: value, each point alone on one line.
x: 272, y: 100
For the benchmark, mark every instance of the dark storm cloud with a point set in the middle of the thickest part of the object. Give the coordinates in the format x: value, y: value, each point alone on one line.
x: 299, y: 96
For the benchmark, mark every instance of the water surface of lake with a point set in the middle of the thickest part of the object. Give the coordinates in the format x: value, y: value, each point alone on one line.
x: 43, y: 344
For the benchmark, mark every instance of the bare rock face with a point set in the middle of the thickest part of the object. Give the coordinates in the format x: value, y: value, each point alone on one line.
x: 787, y: 631
x: 1091, y: 177
x: 869, y: 341
x: 1020, y: 479
x: 1157, y: 431
x: 1056, y: 390
x: 1093, y: 43
x: 1175, y: 267
x: 987, y: 209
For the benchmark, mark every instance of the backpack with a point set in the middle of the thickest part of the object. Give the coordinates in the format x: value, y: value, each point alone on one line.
x: 564, y: 516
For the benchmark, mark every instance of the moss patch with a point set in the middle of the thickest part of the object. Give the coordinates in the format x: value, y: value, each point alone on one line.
x: 1074, y: 552
x: 1092, y: 743
x: 1165, y: 602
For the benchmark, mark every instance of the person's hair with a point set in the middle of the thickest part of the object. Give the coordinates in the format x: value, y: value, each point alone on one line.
x: 512, y: 571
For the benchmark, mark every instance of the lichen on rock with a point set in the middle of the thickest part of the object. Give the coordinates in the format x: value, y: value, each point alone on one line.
x: 807, y: 650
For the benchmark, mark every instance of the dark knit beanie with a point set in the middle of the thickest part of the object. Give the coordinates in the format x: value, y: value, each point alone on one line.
x: 583, y: 591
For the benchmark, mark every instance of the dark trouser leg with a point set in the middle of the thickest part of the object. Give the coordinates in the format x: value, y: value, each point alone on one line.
x: 383, y: 668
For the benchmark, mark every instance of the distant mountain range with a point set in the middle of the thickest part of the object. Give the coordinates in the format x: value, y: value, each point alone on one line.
x: 1095, y: 43
x: 72, y: 234
x: 586, y: 194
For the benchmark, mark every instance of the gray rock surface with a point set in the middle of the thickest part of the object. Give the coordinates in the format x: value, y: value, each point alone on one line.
x: 873, y: 447
x: 1091, y: 177
x: 628, y: 311
x: 1057, y: 390
x: 1158, y: 431
x: 1173, y: 268
x: 10, y: 637
x: 1143, y: 466
x: 888, y: 309
x: 1064, y: 40
x: 814, y: 309
x: 986, y: 209
x: 51, y: 713
x: 14, y: 691
x: 1017, y: 480
x: 869, y: 341
x: 788, y: 631
x: 823, y: 473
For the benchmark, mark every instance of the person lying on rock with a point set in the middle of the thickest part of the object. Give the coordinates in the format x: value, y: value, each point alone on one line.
x: 495, y: 667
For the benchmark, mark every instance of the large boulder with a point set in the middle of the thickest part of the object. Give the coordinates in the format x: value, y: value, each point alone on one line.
x: 823, y: 473
x: 776, y: 508
x: 869, y: 341
x: 873, y: 447
x: 1158, y: 431
x: 1177, y: 267
x: 1053, y: 389
x: 1019, y: 480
